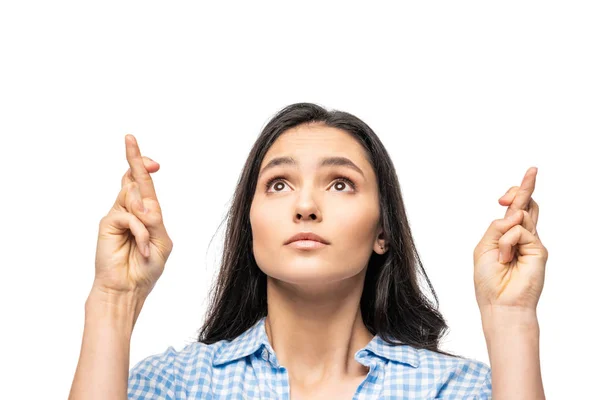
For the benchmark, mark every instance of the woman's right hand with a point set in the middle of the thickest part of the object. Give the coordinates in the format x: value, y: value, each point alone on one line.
x: 133, y: 245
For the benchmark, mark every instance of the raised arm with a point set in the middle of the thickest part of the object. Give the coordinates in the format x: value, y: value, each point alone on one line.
x: 133, y: 247
x: 104, y: 360
x: 510, y: 262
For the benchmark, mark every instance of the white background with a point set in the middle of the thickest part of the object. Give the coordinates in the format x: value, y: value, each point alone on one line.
x: 465, y: 96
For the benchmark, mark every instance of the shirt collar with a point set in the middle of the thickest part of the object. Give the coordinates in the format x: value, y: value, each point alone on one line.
x: 245, y: 344
x: 256, y: 338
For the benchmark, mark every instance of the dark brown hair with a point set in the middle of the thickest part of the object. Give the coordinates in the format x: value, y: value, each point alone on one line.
x: 392, y: 303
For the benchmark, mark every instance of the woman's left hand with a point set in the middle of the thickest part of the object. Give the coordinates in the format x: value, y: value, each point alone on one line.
x: 510, y: 260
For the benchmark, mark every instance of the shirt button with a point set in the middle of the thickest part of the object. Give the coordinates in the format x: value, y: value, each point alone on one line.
x: 265, y: 354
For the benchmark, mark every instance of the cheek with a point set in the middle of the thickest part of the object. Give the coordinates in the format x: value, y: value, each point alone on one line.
x: 355, y: 225
x: 266, y: 228
x: 261, y: 217
x: 268, y: 236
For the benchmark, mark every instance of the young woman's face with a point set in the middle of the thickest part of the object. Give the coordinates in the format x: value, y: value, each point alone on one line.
x: 308, y: 197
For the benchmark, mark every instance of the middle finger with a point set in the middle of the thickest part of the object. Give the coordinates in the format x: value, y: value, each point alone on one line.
x: 523, y: 195
x: 151, y: 166
x: 138, y: 170
x: 532, y: 208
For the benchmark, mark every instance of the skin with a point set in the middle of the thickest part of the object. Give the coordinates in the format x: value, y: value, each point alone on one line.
x: 510, y: 266
x: 314, y: 322
x: 510, y: 259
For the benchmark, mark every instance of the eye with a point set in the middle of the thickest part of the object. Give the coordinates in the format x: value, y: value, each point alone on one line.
x: 343, y: 180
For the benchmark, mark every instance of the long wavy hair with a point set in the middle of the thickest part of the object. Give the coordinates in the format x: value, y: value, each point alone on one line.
x: 392, y: 303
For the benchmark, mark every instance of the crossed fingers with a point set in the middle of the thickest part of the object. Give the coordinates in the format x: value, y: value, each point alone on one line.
x: 150, y: 165
x: 137, y: 177
x: 519, y: 198
x: 138, y: 170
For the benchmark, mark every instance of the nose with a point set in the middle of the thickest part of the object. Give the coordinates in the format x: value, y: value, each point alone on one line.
x: 306, y: 208
x: 311, y: 216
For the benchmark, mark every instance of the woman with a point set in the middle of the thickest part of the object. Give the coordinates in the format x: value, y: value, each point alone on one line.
x: 318, y: 293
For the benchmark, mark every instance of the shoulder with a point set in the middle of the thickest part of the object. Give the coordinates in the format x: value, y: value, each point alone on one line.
x: 164, y: 374
x: 433, y: 360
x: 457, y: 377
x: 198, y: 367
x: 441, y: 376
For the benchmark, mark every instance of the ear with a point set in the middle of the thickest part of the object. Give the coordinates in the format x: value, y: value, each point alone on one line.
x: 380, y: 245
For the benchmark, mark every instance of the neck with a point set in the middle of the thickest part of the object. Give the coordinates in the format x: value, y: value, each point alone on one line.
x: 315, y: 331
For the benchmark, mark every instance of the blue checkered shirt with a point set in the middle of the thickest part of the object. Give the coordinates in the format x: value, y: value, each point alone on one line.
x: 247, y: 368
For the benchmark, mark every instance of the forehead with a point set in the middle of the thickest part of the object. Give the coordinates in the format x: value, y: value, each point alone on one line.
x: 308, y: 143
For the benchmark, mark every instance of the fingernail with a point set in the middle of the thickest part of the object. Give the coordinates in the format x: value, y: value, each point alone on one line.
x: 147, y: 250
x: 500, y: 260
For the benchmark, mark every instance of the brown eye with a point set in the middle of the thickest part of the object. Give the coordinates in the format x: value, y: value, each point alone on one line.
x: 343, y: 182
x: 339, y: 185
x: 280, y: 185
x: 277, y: 180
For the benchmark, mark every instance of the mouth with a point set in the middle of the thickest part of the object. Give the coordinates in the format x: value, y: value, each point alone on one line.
x: 306, y: 245
x: 306, y: 236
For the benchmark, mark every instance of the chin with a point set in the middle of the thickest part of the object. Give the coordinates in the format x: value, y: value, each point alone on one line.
x: 309, y: 272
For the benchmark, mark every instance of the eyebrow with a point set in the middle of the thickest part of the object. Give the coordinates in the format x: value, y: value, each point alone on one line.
x: 324, y: 162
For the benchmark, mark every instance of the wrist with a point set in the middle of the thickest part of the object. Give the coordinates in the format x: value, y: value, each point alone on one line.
x: 504, y: 319
x: 117, y: 309
x: 512, y: 337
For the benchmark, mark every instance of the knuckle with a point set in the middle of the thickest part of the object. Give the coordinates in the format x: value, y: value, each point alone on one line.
x: 110, y: 218
x: 497, y: 223
x: 126, y: 188
x: 126, y: 177
x: 142, y: 176
x: 169, y: 248
x: 154, y: 218
x: 144, y: 236
x: 153, y: 205
x: 129, y: 197
x: 131, y: 185
x: 103, y: 220
x: 502, y: 241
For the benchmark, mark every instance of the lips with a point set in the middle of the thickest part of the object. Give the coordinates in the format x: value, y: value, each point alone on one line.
x: 306, y: 236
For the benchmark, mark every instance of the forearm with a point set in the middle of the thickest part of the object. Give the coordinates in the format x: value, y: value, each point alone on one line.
x: 103, y: 367
x: 513, y: 343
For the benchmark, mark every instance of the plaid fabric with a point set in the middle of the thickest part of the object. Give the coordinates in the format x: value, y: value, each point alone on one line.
x: 247, y: 368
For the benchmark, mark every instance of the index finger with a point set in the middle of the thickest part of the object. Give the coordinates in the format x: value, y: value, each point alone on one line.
x: 525, y: 191
x: 138, y: 170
